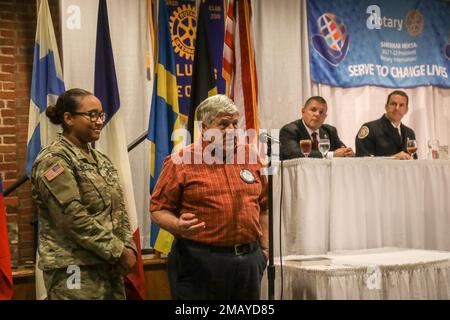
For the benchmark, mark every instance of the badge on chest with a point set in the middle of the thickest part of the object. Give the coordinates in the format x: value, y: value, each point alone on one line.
x: 247, y: 176
x: 108, y: 175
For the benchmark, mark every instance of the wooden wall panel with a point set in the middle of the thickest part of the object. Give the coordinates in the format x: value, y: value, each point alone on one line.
x: 155, y: 272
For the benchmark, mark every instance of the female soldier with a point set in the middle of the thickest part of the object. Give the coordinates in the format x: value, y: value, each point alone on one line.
x: 85, y: 241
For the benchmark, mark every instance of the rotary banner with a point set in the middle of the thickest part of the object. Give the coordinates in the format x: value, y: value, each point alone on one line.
x: 183, y: 25
x: 399, y: 43
x: 215, y: 25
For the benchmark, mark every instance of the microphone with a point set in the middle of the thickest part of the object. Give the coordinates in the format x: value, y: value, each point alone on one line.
x: 265, y: 138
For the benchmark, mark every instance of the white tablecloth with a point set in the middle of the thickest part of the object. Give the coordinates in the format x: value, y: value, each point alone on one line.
x: 388, y: 273
x: 360, y: 203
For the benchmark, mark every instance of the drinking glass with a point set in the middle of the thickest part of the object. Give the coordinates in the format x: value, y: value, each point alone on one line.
x: 411, y: 147
x: 305, y: 145
x: 324, y: 146
x: 433, y: 146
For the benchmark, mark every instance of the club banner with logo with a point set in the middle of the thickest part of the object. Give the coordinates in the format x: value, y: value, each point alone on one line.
x: 183, y: 24
x: 387, y: 43
x: 216, y: 31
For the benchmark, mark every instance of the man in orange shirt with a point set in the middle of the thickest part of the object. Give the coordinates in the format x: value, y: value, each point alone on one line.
x: 217, y: 211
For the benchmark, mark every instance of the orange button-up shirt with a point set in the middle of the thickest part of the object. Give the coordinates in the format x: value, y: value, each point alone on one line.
x: 229, y: 205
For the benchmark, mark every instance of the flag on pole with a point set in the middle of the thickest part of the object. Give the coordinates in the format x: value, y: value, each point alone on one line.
x: 150, y: 39
x: 6, y: 281
x: 204, y: 83
x: 46, y: 85
x: 239, y: 66
x: 164, y: 117
x: 228, y: 49
x: 113, y: 141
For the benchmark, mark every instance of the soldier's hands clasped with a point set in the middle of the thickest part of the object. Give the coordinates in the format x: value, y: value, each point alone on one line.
x: 127, y: 260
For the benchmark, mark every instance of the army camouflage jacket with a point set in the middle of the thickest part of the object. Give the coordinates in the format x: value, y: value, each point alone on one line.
x: 82, y: 216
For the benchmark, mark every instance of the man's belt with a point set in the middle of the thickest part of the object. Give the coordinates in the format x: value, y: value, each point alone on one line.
x: 237, y: 249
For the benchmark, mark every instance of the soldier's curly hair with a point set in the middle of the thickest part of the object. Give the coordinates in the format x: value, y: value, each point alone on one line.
x: 68, y: 101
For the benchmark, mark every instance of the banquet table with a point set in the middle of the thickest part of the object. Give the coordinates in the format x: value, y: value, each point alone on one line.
x: 371, y: 274
x: 360, y: 203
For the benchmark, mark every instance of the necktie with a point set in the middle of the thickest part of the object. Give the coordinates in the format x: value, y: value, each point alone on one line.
x: 315, y: 142
x: 397, y: 135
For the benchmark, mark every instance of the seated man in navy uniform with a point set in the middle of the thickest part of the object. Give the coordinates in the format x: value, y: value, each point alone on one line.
x: 311, y: 126
x: 387, y: 136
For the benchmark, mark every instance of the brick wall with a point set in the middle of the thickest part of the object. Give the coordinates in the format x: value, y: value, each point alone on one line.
x: 17, y: 33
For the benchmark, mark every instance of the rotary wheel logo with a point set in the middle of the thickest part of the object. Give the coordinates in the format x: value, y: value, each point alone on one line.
x: 414, y: 22
x: 183, y: 24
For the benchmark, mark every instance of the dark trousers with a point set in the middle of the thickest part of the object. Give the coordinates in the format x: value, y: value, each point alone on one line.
x: 197, y: 272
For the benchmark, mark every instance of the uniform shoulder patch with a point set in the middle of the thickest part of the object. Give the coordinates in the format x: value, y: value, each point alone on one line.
x: 53, y: 172
x: 363, y: 132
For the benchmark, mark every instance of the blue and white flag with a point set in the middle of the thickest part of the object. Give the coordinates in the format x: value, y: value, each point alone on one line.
x: 46, y: 85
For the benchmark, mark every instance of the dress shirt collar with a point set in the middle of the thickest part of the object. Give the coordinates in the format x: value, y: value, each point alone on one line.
x: 399, y: 129
x: 310, y: 132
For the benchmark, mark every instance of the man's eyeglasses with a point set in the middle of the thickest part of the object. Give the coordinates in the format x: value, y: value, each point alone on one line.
x: 93, y: 115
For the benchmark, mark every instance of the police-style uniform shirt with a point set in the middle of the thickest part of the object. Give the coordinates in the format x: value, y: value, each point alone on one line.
x: 381, y: 139
x: 82, y: 216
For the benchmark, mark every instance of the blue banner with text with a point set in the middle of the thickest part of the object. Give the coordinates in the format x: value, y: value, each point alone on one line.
x: 400, y: 43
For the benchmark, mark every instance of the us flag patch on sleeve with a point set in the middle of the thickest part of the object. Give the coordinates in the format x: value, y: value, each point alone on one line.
x: 53, y: 172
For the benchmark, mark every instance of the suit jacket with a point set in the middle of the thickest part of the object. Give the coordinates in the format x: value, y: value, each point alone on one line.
x: 293, y: 132
x: 379, y: 138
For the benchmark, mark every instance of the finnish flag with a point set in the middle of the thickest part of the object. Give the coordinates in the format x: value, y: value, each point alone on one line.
x: 46, y: 85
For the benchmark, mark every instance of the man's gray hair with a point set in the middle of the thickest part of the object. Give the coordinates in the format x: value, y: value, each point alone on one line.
x: 208, y: 110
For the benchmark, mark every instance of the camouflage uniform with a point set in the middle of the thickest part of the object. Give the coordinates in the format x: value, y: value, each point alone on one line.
x: 82, y: 221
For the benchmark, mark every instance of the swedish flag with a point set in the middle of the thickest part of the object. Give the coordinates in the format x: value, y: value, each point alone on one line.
x: 164, y: 117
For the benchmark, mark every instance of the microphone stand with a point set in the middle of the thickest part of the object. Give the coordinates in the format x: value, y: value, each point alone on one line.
x: 270, y: 267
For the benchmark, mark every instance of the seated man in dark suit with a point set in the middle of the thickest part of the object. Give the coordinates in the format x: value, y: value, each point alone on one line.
x: 387, y: 136
x: 311, y: 126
